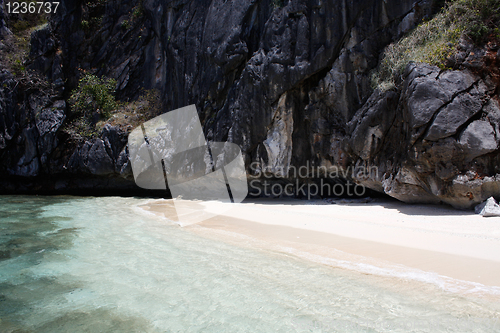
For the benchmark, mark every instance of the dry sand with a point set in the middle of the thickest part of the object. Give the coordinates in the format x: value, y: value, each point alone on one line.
x: 377, y: 237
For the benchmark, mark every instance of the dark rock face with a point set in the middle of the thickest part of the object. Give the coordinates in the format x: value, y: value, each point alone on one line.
x: 34, y: 151
x: 102, y: 155
x: 3, y: 28
x: 290, y: 85
x: 442, y: 144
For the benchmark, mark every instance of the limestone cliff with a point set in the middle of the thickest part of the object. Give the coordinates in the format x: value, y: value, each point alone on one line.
x: 288, y: 81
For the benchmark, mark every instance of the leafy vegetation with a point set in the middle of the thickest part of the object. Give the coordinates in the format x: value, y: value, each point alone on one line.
x: 85, y: 25
x: 90, y: 102
x: 138, y: 11
x: 94, y: 95
x: 436, y: 40
x: 132, y: 114
x: 20, y: 22
x: 81, y: 127
x: 15, y: 52
x: 277, y: 3
x: 94, y: 106
x: 18, y: 66
x: 93, y: 11
x: 126, y: 24
x: 95, y: 3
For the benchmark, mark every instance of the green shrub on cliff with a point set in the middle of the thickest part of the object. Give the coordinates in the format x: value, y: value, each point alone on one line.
x: 277, y: 3
x: 94, y: 95
x: 435, y: 40
x: 20, y: 22
x: 138, y: 11
x: 92, y: 101
x: 132, y: 114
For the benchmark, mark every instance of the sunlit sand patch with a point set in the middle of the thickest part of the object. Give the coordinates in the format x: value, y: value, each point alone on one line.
x: 456, y: 250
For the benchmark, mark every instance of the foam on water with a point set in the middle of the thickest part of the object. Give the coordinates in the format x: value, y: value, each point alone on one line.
x: 98, y: 264
x: 402, y: 272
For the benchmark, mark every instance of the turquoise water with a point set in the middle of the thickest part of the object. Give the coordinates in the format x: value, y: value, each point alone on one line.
x: 102, y: 265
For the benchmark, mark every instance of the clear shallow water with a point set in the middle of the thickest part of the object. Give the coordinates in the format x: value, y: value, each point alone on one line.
x: 101, y: 265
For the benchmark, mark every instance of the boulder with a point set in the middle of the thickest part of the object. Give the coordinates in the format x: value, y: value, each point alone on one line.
x: 454, y: 115
x: 478, y: 139
x: 442, y: 147
x: 98, y: 160
x: 425, y: 98
x: 489, y: 208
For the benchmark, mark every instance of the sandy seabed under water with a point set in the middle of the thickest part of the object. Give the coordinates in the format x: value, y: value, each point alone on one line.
x: 114, y: 264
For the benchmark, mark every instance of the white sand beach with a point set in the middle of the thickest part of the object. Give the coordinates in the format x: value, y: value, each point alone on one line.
x: 374, y: 237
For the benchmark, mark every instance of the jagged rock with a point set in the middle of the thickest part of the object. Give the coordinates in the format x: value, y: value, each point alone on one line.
x: 278, y: 143
x: 439, y: 150
x: 47, y: 123
x: 4, y: 30
x: 92, y: 158
x: 98, y: 160
x: 290, y: 85
x: 492, y: 110
x: 28, y: 165
x: 8, y: 98
x: 478, y: 139
x: 42, y: 50
x: 123, y: 166
x: 430, y: 96
x: 371, y: 123
x: 115, y: 139
x: 425, y: 97
x: 454, y: 115
x: 489, y: 208
x: 406, y: 186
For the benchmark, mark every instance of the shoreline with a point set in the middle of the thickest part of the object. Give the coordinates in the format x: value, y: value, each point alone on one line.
x: 382, y: 237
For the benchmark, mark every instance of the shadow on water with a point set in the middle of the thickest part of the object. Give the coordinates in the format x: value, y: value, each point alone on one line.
x: 27, y: 238
x: 24, y: 232
x: 100, y: 320
x: 18, y: 301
